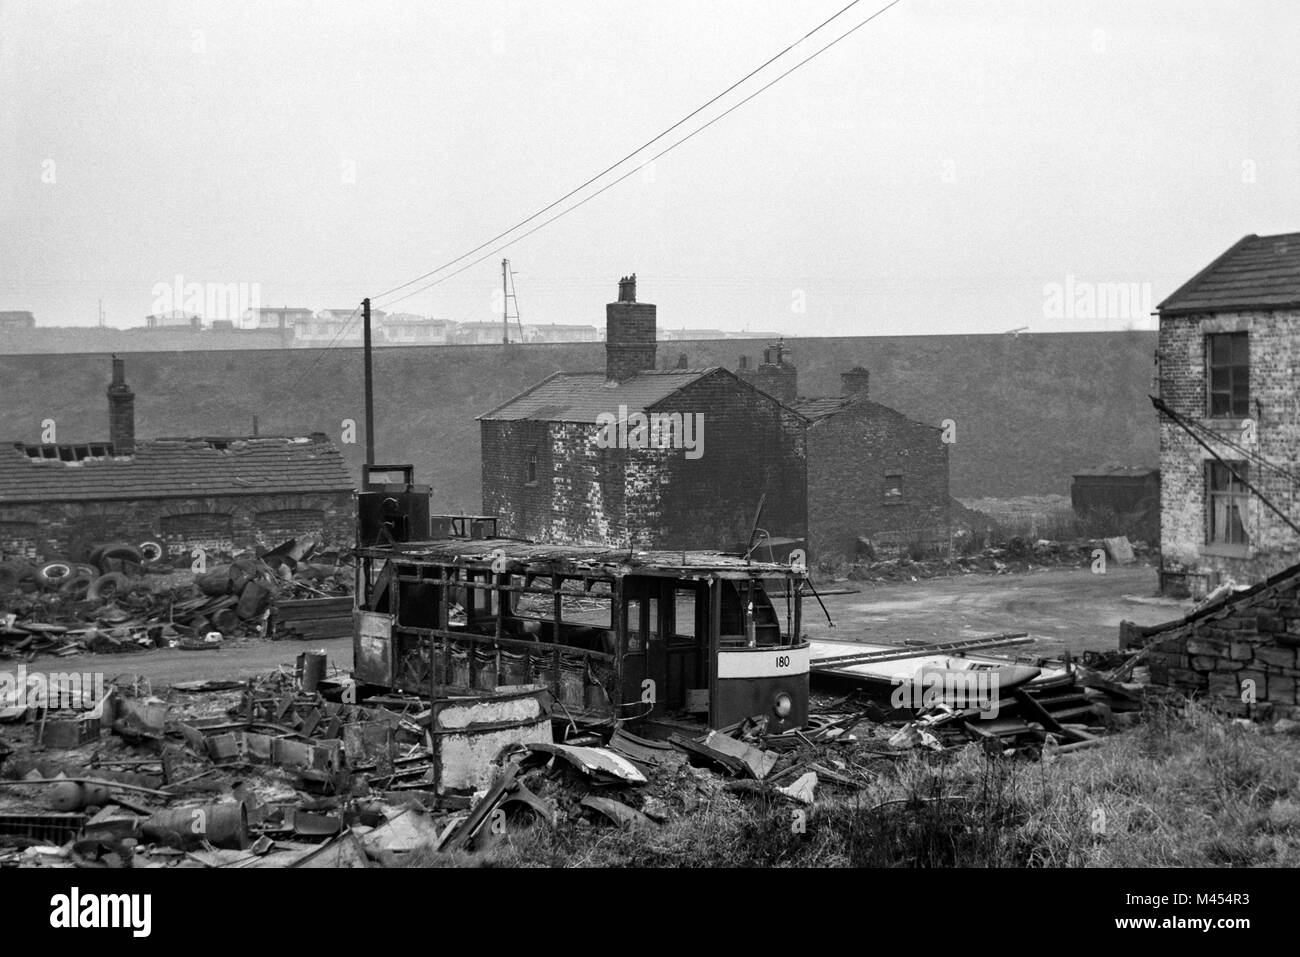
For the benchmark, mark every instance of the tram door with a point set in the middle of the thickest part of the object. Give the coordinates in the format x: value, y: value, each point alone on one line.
x: 645, y: 660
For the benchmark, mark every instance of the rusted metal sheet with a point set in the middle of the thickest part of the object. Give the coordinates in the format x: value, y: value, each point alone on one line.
x: 468, y: 733
x: 594, y: 761
x: 618, y: 812
x: 373, y: 656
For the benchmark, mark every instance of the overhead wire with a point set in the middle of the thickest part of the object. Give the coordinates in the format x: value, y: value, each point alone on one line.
x: 625, y: 158
x: 641, y: 166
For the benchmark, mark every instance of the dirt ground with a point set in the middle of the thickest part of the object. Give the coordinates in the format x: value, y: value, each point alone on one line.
x: 1063, y: 608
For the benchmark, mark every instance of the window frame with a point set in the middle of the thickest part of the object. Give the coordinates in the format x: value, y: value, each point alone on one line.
x: 1238, y: 498
x: 895, y: 498
x: 1237, y: 370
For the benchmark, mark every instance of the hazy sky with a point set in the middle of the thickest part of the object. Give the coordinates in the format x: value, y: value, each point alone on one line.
x: 937, y: 171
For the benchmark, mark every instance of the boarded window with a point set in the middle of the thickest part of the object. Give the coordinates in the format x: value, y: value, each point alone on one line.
x: 1226, y: 519
x: 1229, y: 373
x: 210, y: 531
x: 531, y: 471
x: 280, y: 525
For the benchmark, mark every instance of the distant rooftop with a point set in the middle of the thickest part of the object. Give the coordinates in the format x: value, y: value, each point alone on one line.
x: 582, y: 396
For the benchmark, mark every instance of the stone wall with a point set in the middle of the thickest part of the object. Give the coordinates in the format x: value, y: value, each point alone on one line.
x: 224, y: 524
x: 1243, y: 657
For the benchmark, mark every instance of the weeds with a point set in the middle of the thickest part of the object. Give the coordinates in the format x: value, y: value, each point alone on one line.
x: 1185, y: 788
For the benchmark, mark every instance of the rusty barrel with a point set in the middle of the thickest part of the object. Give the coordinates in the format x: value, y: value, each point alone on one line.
x: 221, y: 825
x: 311, y: 669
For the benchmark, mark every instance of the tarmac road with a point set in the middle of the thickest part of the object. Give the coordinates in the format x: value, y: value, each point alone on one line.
x: 167, y: 666
x: 1063, y: 608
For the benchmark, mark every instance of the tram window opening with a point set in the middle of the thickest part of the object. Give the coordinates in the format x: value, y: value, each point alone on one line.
x: 684, y: 624
x: 632, y: 625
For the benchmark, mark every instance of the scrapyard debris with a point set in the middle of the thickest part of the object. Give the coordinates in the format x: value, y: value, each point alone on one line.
x: 124, y: 600
x: 273, y: 772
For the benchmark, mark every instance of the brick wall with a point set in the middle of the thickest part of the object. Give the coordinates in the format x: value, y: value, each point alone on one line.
x: 752, y: 448
x: 1274, y: 381
x: 629, y: 339
x: 1242, y: 657
x: 522, y: 510
x: 71, y: 529
x: 849, y: 456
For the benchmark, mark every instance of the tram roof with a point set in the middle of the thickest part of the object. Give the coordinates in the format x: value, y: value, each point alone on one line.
x: 602, y: 559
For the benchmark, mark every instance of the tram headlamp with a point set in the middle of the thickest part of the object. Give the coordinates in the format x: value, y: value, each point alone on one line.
x: 783, y: 705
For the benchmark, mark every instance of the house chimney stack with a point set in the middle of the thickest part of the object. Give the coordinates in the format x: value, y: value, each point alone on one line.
x: 855, y: 381
x: 121, y: 411
x: 775, y: 375
x: 629, y: 334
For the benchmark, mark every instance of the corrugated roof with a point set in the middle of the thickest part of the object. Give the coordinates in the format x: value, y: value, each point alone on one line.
x: 1257, y: 272
x: 618, y: 560
x: 582, y: 396
x: 1119, y: 471
x: 175, y: 468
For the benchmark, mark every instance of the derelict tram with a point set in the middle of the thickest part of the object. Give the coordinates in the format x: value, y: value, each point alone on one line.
x: 650, y: 638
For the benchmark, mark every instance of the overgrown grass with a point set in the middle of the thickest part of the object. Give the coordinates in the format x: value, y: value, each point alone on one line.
x: 1185, y: 788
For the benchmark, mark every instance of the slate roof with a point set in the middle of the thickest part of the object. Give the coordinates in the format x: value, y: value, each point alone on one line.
x: 582, y: 396
x: 1257, y: 272
x: 817, y: 409
x: 177, y: 468
x: 820, y: 408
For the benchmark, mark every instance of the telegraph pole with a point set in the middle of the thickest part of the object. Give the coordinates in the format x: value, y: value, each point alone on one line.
x: 505, y: 304
x: 370, y: 387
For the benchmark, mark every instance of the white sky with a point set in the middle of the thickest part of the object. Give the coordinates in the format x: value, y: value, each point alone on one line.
x: 932, y: 173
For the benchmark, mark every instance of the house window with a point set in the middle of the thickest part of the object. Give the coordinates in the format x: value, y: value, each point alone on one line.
x: 531, y: 470
x: 1229, y: 373
x: 893, y: 488
x: 1226, y: 518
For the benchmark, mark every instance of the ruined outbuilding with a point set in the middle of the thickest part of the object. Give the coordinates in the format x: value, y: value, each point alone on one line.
x: 223, y: 494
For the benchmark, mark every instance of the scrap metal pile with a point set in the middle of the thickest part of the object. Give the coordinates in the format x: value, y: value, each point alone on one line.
x: 126, y: 598
x: 284, y: 771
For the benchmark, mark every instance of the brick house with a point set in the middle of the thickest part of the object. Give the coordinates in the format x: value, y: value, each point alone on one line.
x: 1229, y: 356
x: 873, y: 473
x: 574, y: 458
x: 225, y: 495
